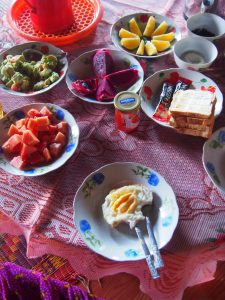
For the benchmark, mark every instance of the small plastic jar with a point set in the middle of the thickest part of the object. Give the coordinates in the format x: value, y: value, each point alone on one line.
x: 127, y: 111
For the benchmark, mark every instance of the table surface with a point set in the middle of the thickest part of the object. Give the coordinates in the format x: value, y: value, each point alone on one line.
x: 42, y: 208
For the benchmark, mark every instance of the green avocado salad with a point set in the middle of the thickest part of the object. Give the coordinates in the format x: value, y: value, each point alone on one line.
x: 22, y: 75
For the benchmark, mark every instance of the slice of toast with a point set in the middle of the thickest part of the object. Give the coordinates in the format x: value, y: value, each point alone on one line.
x: 206, y: 133
x: 192, y: 103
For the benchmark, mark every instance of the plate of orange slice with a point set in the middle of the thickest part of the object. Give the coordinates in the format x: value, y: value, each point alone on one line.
x: 145, y: 35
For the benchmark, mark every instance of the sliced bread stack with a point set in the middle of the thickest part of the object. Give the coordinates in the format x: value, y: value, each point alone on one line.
x: 192, y: 112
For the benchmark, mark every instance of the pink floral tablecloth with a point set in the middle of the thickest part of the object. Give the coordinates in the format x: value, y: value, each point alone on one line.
x: 42, y: 208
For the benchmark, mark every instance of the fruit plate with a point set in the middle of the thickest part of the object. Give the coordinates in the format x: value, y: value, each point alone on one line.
x: 141, y: 19
x: 152, y: 87
x: 19, y: 113
x: 44, y: 48
x: 81, y: 68
x: 213, y: 158
x: 121, y: 243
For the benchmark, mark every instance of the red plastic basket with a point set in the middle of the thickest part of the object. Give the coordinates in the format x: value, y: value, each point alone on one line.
x: 87, y: 15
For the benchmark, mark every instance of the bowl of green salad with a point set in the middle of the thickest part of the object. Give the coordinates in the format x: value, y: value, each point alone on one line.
x: 31, y: 68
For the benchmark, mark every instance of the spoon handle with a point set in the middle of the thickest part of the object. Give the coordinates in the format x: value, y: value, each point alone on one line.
x: 153, y: 247
x: 148, y: 257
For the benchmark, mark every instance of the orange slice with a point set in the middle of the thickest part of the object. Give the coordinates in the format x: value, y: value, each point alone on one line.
x: 141, y: 48
x: 123, y: 33
x: 130, y: 43
x: 150, y: 26
x: 150, y: 48
x: 161, y: 29
x: 164, y: 37
x: 161, y: 45
x: 134, y: 27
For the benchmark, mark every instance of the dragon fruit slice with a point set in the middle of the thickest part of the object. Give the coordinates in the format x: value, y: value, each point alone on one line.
x: 124, y: 78
x: 105, y: 91
x: 86, y: 86
x: 103, y: 63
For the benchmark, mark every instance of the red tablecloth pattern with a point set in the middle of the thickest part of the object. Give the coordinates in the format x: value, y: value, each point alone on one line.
x: 42, y: 208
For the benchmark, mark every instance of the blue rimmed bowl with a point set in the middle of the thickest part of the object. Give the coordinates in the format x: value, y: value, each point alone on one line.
x: 213, y: 158
x: 19, y: 113
x: 81, y: 68
x: 121, y: 243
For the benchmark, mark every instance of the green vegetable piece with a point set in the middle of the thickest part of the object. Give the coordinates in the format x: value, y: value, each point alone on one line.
x: 27, y: 68
x: 54, y: 77
x: 17, y: 78
x: 45, y: 73
x: 49, y: 61
x: 25, y: 84
x: 7, y: 70
x: 39, y: 85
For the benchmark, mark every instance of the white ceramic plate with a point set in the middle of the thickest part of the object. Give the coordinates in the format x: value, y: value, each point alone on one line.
x: 121, y: 243
x: 19, y: 113
x: 141, y: 19
x: 81, y: 68
x: 45, y: 48
x: 152, y: 86
x: 214, y: 158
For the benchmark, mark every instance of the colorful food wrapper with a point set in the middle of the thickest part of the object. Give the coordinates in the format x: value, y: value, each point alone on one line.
x: 170, y: 86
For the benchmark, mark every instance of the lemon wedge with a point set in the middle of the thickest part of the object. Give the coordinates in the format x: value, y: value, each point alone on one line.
x: 164, y: 37
x: 134, y: 28
x: 141, y: 48
x: 123, y: 33
x: 150, y: 26
x: 161, y: 45
x: 150, y: 48
x: 130, y: 43
x: 161, y: 29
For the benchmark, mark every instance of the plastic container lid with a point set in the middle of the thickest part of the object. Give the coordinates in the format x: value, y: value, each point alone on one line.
x: 87, y: 15
x: 127, y: 101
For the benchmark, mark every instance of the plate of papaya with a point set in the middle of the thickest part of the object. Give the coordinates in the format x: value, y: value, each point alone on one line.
x: 36, y: 139
x: 145, y: 35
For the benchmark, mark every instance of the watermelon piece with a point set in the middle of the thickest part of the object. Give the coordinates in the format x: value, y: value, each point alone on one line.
x: 45, y: 111
x: 32, y: 113
x: 35, y: 158
x: 20, y: 123
x: 52, y: 128
x: 106, y: 91
x: 18, y: 163
x: 26, y: 151
x: 42, y: 121
x: 60, y: 138
x: 123, y: 79
x: 41, y: 146
x: 55, y: 149
x: 43, y: 128
x: 86, y: 86
x: 29, y: 138
x: 102, y: 63
x: 22, y: 129
x: 13, y: 130
x: 32, y: 124
x: 46, y: 137
x: 13, y: 144
x: 47, y: 155
x: 63, y: 127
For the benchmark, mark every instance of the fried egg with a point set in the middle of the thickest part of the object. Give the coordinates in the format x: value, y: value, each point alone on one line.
x: 124, y: 204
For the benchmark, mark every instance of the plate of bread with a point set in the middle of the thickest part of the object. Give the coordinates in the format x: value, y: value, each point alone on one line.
x: 213, y: 158
x: 116, y: 198
x: 185, y: 100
